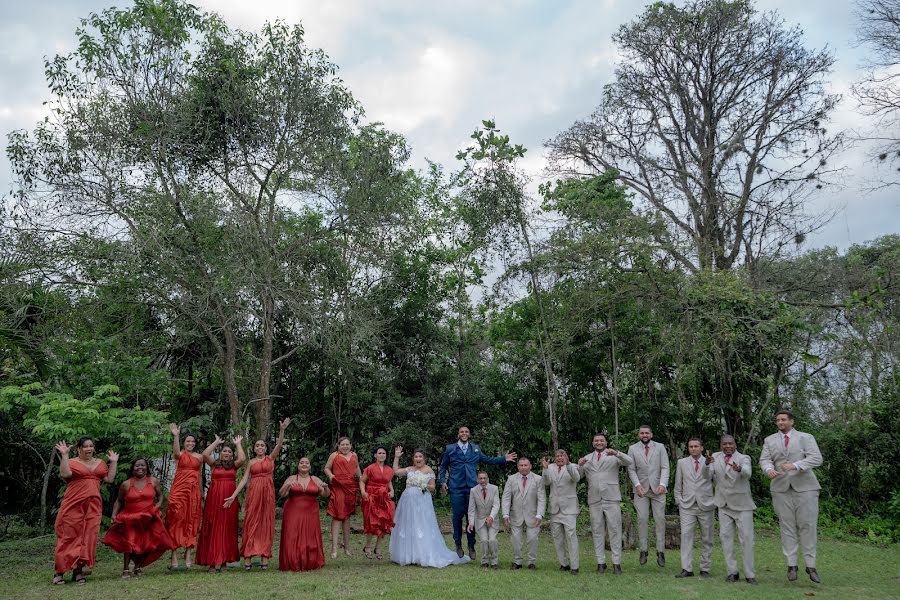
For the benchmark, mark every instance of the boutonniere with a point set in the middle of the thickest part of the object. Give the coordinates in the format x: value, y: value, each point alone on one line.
x: 475, y: 450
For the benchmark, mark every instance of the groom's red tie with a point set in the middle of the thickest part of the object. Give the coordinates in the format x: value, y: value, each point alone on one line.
x: 484, y: 493
x: 524, y: 481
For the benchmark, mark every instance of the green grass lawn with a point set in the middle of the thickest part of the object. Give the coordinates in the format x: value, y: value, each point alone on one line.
x: 849, y: 571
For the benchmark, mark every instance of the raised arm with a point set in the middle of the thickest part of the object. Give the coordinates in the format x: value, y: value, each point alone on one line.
x: 241, y: 455
x: 276, y: 451
x: 65, y: 471
x: 498, y: 460
x: 574, y: 473
x: 746, y: 467
x: 113, y: 463
x: 813, y: 456
x: 176, y: 440
x: 398, y: 472
x: 207, y: 452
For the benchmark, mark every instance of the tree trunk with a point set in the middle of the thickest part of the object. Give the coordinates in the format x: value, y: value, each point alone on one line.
x: 263, y: 407
x: 229, y: 359
x: 44, y: 487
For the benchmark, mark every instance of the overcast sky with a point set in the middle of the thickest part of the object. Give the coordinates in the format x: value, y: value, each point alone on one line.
x: 432, y: 70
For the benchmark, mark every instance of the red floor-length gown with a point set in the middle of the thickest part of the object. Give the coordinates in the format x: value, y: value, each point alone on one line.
x: 378, y: 508
x: 301, y: 531
x: 78, y: 519
x: 138, y: 528
x: 342, y: 504
x: 219, y: 530
x: 185, y: 502
x: 259, y: 511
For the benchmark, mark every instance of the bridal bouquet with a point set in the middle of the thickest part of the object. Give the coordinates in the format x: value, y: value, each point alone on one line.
x: 419, y: 480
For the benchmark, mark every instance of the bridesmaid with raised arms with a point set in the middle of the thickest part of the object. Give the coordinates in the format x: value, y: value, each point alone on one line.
x: 301, y: 547
x: 78, y: 520
x: 137, y: 530
x: 259, y: 503
x: 219, y: 531
x: 342, y: 471
x: 185, y: 498
x: 377, y: 492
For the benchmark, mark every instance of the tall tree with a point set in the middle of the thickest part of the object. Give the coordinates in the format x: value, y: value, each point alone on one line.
x: 878, y: 92
x: 716, y: 118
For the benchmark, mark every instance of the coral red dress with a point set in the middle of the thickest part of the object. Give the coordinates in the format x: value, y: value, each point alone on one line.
x: 138, y: 528
x: 344, y: 487
x: 301, y: 531
x: 219, y: 530
x: 259, y: 511
x: 78, y: 519
x: 378, y: 508
x: 185, y: 501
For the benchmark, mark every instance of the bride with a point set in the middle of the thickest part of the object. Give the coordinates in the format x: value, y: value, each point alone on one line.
x: 416, y: 538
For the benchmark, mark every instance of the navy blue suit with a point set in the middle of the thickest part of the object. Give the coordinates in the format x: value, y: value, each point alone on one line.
x: 463, y: 467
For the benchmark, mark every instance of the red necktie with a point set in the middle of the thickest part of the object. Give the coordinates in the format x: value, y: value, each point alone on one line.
x: 646, y: 449
x: 728, y: 459
x: 599, y: 455
x: 696, y: 465
x: 524, y: 481
x: 786, y: 440
x: 484, y: 493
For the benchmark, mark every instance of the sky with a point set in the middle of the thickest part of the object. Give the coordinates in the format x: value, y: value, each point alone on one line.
x: 433, y: 70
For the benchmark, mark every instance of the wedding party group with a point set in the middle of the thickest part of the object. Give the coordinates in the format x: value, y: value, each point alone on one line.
x: 207, y: 532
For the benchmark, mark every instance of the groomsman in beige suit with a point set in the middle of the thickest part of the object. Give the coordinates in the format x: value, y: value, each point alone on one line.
x: 601, y: 470
x: 694, y: 497
x: 649, y: 474
x: 731, y: 476
x: 788, y: 459
x: 562, y: 479
x: 484, y: 517
x: 523, y: 504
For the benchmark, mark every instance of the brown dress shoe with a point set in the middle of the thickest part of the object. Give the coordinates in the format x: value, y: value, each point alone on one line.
x: 813, y: 575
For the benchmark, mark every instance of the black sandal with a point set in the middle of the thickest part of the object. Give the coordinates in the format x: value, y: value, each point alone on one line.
x: 59, y: 579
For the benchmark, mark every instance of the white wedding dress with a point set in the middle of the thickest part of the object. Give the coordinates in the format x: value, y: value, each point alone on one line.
x: 416, y: 538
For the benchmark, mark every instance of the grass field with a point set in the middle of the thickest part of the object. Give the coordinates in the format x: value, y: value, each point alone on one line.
x: 849, y: 571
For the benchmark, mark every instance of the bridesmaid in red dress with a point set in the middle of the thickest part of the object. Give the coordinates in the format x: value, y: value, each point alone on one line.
x: 342, y: 471
x: 301, y: 547
x: 137, y: 531
x: 377, y: 492
x: 185, y: 498
x: 259, y: 504
x: 78, y: 519
x: 219, y: 529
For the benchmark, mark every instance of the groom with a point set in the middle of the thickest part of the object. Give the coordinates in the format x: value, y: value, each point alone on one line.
x: 462, y: 460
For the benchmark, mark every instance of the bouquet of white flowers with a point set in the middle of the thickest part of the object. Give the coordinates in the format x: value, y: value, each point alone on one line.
x: 419, y: 480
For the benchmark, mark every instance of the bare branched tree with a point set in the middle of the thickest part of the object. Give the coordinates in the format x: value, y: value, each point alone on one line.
x: 716, y: 118
x: 878, y: 92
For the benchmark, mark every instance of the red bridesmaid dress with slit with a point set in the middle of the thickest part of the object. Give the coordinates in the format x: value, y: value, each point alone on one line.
x: 138, y: 528
x: 219, y: 529
x: 78, y: 520
x: 185, y: 501
x: 378, y: 508
x: 259, y: 511
x: 301, y: 531
x: 342, y: 503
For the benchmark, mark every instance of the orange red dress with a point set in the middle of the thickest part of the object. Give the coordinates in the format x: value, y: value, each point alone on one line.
x: 378, y: 508
x: 259, y: 511
x: 342, y: 504
x: 185, y: 501
x: 138, y: 528
x: 219, y: 529
x: 78, y: 520
x: 301, y: 531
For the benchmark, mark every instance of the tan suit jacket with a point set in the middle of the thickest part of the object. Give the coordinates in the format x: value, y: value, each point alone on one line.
x: 603, y: 476
x: 522, y: 507
x: 693, y: 489
x: 649, y: 471
x: 802, y: 451
x: 480, y: 508
x: 563, y: 491
x: 732, y: 488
